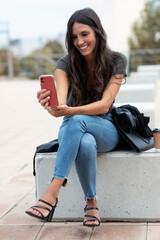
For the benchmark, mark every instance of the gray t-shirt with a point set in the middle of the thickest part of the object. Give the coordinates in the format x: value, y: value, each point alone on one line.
x: 119, y: 62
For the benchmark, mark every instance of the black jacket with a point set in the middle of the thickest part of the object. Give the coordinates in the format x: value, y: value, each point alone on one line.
x: 133, y: 128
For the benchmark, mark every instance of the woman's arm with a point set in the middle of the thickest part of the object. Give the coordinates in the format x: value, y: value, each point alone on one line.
x: 61, y: 86
x: 103, y: 105
x: 98, y: 107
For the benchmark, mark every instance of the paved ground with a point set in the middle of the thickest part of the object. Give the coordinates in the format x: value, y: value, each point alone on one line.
x: 24, y: 125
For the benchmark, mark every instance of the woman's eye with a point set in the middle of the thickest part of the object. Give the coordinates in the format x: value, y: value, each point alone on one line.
x: 85, y: 34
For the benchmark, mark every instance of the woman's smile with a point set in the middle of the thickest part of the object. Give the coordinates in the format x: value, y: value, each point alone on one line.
x: 83, y: 48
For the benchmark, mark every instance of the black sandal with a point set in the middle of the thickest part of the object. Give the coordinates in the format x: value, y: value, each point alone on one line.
x: 48, y: 218
x: 91, y: 216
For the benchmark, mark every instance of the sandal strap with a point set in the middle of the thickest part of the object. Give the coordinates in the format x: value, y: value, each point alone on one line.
x: 46, y: 202
x: 37, y: 206
x: 91, y: 208
x: 91, y: 216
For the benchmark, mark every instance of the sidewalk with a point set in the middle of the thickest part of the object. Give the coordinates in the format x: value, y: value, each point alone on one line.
x: 24, y: 125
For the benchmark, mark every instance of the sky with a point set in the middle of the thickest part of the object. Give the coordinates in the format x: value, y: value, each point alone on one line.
x: 48, y: 18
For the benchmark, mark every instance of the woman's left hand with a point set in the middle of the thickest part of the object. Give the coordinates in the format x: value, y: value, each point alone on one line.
x: 59, y: 111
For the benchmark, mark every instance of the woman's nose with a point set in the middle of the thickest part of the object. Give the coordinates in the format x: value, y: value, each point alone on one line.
x: 80, y: 41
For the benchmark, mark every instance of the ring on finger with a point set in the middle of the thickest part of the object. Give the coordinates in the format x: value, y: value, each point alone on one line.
x: 52, y: 108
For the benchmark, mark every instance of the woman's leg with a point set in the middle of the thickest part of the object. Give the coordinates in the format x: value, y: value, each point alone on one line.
x: 86, y: 166
x: 53, y: 189
x: 103, y: 131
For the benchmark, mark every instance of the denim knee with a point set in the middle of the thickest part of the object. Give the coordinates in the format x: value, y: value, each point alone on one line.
x: 77, y: 120
x: 88, y: 143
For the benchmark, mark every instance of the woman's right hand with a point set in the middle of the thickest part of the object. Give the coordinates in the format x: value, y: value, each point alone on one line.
x: 43, y: 97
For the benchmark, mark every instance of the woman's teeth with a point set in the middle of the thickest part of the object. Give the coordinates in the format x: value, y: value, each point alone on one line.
x: 82, y: 48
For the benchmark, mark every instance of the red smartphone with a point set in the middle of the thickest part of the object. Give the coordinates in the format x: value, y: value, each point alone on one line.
x: 47, y: 82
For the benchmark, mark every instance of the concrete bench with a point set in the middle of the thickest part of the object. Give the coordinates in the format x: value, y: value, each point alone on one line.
x: 128, y: 186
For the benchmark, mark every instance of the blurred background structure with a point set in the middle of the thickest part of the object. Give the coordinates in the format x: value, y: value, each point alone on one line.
x: 32, y: 39
x: 28, y: 50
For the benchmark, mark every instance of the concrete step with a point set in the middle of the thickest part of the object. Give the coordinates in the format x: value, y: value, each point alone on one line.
x: 144, y: 76
x: 141, y: 79
x: 136, y: 93
x: 149, y: 68
x: 127, y: 186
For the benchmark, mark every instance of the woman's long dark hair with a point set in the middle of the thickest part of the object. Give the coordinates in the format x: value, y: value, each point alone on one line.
x: 77, y: 66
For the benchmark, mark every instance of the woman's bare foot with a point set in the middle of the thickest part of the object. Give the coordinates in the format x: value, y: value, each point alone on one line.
x: 91, y: 203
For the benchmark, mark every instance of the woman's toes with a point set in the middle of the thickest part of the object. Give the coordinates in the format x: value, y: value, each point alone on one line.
x: 92, y: 222
x: 96, y: 222
x: 34, y: 212
x: 37, y: 213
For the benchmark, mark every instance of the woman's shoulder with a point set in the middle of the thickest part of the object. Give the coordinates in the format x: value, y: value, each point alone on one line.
x: 118, y: 56
x: 62, y: 63
x: 63, y: 59
x: 119, y: 62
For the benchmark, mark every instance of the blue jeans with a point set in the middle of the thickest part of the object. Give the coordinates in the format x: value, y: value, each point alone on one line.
x: 80, y: 138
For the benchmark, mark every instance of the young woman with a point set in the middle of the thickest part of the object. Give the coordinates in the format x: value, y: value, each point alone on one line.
x: 88, y: 79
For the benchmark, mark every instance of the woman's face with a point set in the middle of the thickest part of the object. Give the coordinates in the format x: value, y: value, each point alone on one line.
x: 84, y: 39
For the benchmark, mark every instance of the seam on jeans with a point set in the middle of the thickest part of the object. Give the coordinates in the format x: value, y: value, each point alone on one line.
x: 63, y: 131
x: 62, y: 135
x: 58, y: 152
x: 60, y: 148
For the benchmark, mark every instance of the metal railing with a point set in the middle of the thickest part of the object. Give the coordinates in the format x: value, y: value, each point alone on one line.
x: 142, y: 57
x: 34, y: 65
x: 31, y: 66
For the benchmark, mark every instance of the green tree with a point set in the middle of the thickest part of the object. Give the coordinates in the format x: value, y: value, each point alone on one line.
x: 1, y: 68
x: 146, y: 35
x: 55, y: 46
x: 42, y: 61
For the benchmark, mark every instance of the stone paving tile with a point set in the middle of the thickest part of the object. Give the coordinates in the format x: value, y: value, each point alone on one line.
x: 10, y: 196
x: 120, y: 232
x: 153, y: 232
x: 124, y: 223
x: 65, y: 231
x: 14, y: 189
x: 25, y: 126
x: 17, y: 214
x: 19, y: 232
x: 154, y: 224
